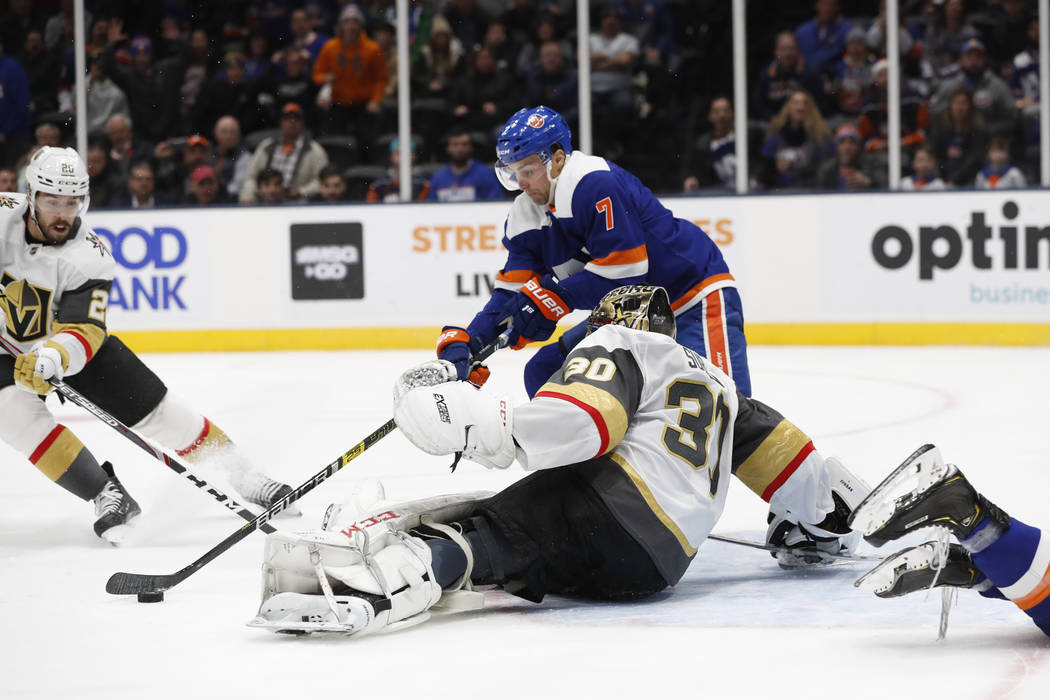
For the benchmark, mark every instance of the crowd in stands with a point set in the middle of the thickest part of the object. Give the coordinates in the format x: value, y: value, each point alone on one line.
x: 192, y: 102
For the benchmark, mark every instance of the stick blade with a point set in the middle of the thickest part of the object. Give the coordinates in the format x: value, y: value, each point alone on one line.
x: 122, y: 583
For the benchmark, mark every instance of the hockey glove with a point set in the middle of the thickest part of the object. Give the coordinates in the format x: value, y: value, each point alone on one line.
x: 536, y: 311
x: 34, y: 368
x: 455, y: 345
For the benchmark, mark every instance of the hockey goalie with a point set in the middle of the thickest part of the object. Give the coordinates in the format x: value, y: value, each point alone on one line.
x: 629, y: 447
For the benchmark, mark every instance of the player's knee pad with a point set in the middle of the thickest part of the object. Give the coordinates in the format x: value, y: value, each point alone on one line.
x: 174, y: 424
x: 26, y: 421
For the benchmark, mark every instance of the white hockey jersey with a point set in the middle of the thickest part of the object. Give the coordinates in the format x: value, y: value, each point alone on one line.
x: 52, y: 292
x: 656, y: 430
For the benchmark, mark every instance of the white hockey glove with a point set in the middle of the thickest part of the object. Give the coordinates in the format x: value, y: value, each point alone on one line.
x: 43, y: 362
x: 455, y: 417
x: 807, y: 542
x: 429, y: 373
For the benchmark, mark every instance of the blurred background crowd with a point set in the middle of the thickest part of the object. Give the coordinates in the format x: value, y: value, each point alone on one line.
x: 245, y: 101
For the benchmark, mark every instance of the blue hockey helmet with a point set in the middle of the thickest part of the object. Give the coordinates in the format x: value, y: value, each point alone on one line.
x: 530, y: 131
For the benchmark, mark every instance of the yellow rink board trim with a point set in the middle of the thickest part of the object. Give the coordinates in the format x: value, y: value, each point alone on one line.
x: 1018, y: 334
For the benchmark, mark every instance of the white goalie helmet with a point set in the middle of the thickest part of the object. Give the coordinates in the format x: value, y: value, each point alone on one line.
x: 59, y: 171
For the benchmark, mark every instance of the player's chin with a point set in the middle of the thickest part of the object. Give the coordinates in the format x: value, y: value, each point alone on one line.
x: 58, y: 233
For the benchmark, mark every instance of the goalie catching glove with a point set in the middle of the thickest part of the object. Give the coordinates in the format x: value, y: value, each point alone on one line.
x: 456, y: 417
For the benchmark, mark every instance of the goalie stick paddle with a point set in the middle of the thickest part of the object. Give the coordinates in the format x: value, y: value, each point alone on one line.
x: 74, y: 396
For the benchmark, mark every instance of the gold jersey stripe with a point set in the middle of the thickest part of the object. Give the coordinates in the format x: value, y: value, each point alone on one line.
x: 59, y: 455
x: 93, y: 334
x: 774, y: 454
x: 606, y: 404
x: 643, y: 489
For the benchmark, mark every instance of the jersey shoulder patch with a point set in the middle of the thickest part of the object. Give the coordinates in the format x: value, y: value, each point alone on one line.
x: 89, y: 256
x: 576, y: 168
x: 525, y: 215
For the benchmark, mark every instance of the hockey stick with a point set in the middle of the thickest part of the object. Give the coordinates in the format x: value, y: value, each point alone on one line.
x: 74, y: 396
x: 792, y: 550
x: 122, y: 583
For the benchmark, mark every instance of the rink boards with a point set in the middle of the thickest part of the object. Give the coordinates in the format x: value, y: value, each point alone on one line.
x: 905, y: 269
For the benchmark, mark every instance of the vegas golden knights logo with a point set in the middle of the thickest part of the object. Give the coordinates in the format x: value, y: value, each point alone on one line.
x: 26, y: 308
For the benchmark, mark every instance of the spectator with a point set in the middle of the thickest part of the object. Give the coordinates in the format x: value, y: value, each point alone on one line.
x: 991, y: 94
x: 45, y: 134
x: 822, y: 40
x: 257, y: 63
x: 959, y: 138
x: 204, y: 187
x: 440, y: 62
x: 332, y: 186
x: 907, y: 38
x: 715, y: 164
x: 8, y: 180
x: 529, y: 59
x: 105, y: 183
x: 293, y: 83
x: 1009, y: 34
x: 796, y: 142
x: 503, y: 50
x: 269, y: 186
x: 98, y: 38
x: 60, y: 25
x: 152, y: 90
x: 873, y: 124
x: 554, y: 83
x: 849, y: 170
x: 1024, y: 83
x: 998, y: 173
x: 613, y: 57
x: 42, y: 69
x: 467, y: 22
x: 141, y: 192
x: 384, y: 35
x: 172, y: 172
x: 943, y: 43
x: 294, y: 155
x: 351, y: 71
x: 387, y: 187
x: 14, y: 108
x: 305, y: 40
x: 124, y: 148
x: 199, y: 64
x: 463, y: 179
x: 650, y: 22
x: 853, y: 75
x: 229, y: 92
x: 787, y: 74
x: 486, y: 94
x: 104, y: 99
x: 925, y: 172
x: 231, y: 159
x: 21, y: 18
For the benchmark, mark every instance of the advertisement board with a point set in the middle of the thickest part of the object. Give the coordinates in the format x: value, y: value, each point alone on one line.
x: 809, y: 268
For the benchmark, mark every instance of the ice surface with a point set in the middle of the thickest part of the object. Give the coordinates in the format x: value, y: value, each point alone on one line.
x: 736, y: 626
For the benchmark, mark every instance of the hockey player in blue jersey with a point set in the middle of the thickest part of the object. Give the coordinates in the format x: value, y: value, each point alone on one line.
x: 581, y: 227
x: 997, y: 554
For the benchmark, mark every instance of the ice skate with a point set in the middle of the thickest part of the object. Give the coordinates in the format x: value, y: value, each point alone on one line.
x: 920, y: 568
x: 114, y: 509
x: 302, y: 613
x: 261, y: 490
x: 923, y: 492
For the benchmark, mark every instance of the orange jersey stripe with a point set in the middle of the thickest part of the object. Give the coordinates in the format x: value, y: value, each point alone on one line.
x: 1037, y: 595
x: 623, y: 257
x: 717, y: 346
x: 696, y: 289
x: 515, y: 276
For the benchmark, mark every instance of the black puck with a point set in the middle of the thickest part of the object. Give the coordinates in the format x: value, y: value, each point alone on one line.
x: 151, y: 597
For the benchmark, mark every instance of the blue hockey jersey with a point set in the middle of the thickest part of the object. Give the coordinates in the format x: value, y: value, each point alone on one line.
x: 605, y: 229
x: 477, y: 183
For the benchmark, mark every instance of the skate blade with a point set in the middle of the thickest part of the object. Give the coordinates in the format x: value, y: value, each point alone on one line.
x: 883, y: 577
x: 916, y: 474
x: 298, y: 628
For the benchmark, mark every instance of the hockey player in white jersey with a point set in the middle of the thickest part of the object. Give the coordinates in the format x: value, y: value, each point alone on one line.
x: 55, y: 278
x: 630, y: 446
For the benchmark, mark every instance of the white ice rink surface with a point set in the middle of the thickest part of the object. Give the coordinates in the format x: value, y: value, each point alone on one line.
x: 736, y: 625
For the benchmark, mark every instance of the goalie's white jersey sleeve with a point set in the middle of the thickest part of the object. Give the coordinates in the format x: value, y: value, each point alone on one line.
x: 652, y: 421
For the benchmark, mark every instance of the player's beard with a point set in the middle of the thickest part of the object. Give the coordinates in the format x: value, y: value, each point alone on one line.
x: 58, y: 230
